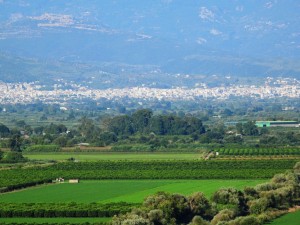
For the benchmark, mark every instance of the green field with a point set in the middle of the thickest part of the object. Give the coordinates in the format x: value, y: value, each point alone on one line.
x: 117, y: 190
x: 92, y: 156
x: 288, y: 219
x: 52, y: 220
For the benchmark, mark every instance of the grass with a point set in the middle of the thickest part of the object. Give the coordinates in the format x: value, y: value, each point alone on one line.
x: 92, y: 156
x: 117, y: 190
x: 56, y: 220
x: 288, y: 219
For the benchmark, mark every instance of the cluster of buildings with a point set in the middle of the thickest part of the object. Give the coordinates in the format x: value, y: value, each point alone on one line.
x: 13, y: 93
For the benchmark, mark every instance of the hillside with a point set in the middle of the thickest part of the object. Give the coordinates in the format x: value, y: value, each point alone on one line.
x: 243, y: 38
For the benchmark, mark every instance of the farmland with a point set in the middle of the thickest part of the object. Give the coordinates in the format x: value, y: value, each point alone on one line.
x: 160, y: 169
x: 58, y: 220
x: 106, y: 191
x: 116, y: 182
x: 92, y: 156
x: 288, y: 219
x: 295, y: 151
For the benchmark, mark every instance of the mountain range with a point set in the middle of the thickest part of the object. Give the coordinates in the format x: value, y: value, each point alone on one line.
x: 210, y: 37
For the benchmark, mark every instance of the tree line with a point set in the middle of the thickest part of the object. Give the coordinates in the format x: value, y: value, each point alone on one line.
x: 140, y: 131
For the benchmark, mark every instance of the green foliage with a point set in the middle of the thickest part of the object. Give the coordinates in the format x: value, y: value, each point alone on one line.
x: 1, y: 155
x: 249, y: 128
x: 43, y: 148
x: 258, y: 206
x: 244, y: 151
x: 108, y: 138
x: 174, y: 207
x: 61, y: 141
x: 297, y: 168
x: 246, y: 220
x: 88, y: 129
x: 198, y: 220
x: 55, y: 129
x: 200, y: 205
x: 70, y: 209
x: 13, y: 157
x: 15, y: 143
x: 232, y: 198
x: 223, y: 215
x: 4, y: 131
x: 55, y: 221
x: 143, y: 121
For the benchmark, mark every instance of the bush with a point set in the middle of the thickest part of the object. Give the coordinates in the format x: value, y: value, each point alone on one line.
x: 174, y: 206
x: 200, y: 205
x: 246, y: 220
x: 1, y: 154
x: 232, y: 198
x: 43, y: 148
x: 223, y: 216
x: 198, y: 220
x: 259, y: 206
x: 14, y: 157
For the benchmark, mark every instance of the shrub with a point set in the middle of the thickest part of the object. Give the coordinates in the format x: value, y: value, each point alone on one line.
x: 246, y: 220
x: 43, y: 148
x: 200, y: 205
x: 232, y: 198
x: 250, y: 192
x: 1, y: 154
x: 265, y: 187
x: 174, y: 206
x: 198, y: 220
x: 14, y: 157
x: 222, y: 216
x: 258, y: 206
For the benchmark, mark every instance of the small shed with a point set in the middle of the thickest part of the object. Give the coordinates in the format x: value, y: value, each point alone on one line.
x: 74, y: 181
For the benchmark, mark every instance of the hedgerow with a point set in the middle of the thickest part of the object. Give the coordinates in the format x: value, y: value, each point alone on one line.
x: 72, y: 209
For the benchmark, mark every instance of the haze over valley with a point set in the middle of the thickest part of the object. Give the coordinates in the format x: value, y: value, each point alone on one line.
x: 155, y: 44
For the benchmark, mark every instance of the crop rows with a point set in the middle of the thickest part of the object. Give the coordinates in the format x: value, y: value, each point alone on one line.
x: 40, y: 210
x: 258, y: 151
x: 173, y: 169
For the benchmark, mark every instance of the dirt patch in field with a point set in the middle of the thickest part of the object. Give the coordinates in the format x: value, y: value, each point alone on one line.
x: 294, y: 209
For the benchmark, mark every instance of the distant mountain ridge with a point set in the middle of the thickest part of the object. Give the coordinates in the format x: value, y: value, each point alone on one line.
x: 240, y: 38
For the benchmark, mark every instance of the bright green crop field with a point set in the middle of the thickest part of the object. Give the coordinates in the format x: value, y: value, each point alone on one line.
x: 288, y: 219
x: 104, y: 191
x: 52, y: 220
x: 92, y: 156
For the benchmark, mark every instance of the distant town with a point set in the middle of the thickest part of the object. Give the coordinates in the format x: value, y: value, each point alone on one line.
x: 24, y: 93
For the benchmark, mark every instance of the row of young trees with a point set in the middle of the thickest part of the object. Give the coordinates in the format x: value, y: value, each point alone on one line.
x: 259, y: 151
x: 72, y: 209
x: 152, y: 130
x: 228, y: 206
